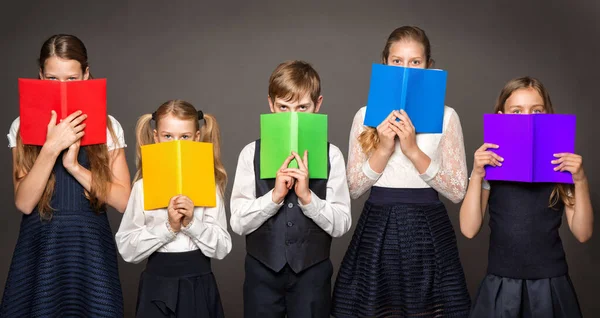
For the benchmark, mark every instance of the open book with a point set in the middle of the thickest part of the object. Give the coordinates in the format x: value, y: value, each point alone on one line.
x: 178, y: 167
x: 528, y: 144
x: 282, y: 133
x: 420, y: 92
x: 37, y: 98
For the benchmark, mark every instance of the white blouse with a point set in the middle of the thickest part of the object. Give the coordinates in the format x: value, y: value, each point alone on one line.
x: 142, y: 232
x: 110, y: 143
x: 248, y: 212
x: 447, y: 172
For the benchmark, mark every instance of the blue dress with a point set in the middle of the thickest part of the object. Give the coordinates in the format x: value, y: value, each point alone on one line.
x: 66, y: 266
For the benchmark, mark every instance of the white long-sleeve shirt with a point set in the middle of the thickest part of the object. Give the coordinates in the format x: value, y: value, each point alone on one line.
x: 248, y: 212
x: 142, y: 232
x: 447, y: 172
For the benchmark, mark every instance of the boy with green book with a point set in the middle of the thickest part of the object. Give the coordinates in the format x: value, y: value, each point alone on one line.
x: 289, y: 218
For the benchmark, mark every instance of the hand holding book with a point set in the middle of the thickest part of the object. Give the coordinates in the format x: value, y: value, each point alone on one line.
x: 64, y: 134
x: 300, y: 176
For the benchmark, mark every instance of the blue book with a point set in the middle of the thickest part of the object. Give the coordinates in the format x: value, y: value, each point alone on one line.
x: 420, y: 92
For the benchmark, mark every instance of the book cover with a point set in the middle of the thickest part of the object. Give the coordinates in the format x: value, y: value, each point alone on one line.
x: 282, y: 133
x: 37, y: 98
x: 528, y: 144
x: 420, y: 92
x: 178, y: 167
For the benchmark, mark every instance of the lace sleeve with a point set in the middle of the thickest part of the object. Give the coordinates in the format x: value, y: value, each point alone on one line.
x: 451, y: 178
x: 358, y: 179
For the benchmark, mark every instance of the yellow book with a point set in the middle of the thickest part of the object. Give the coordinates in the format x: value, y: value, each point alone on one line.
x: 178, y: 167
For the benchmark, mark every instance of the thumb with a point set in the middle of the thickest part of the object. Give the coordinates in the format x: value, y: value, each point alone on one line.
x: 52, y: 118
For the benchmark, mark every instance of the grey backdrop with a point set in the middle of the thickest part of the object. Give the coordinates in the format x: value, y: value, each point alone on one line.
x: 219, y: 57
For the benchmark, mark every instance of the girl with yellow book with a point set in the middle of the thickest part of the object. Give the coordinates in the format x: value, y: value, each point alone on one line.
x: 180, y: 238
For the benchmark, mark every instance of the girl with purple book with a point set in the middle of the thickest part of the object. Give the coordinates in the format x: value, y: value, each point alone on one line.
x: 527, y: 272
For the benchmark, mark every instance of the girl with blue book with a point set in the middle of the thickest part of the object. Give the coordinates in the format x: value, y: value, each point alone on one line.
x: 403, y: 258
x: 527, y: 273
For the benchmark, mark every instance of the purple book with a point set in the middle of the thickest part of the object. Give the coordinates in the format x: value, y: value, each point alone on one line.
x: 528, y: 144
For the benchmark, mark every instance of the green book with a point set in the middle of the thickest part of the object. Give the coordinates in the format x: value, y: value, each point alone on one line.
x: 282, y: 133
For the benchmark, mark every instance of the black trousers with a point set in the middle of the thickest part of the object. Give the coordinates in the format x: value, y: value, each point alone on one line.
x: 270, y: 294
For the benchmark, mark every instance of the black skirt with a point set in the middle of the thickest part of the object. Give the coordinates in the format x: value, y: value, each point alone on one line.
x: 178, y: 285
x: 402, y: 260
x: 509, y: 297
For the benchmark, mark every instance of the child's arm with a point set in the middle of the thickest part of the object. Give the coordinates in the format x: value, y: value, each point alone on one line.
x: 135, y: 240
x: 363, y: 170
x: 208, y: 230
x: 247, y: 211
x: 472, y: 210
x: 119, y: 189
x: 448, y: 176
x: 333, y: 214
x: 29, y: 185
x: 580, y: 216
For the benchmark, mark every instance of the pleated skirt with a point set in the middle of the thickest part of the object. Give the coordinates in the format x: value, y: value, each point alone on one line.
x: 501, y: 297
x: 178, y: 285
x: 65, y: 267
x: 402, y: 261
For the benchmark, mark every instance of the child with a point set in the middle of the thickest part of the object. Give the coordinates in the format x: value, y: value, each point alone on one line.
x: 527, y: 271
x: 289, y: 221
x: 403, y: 260
x: 179, y: 240
x: 65, y: 261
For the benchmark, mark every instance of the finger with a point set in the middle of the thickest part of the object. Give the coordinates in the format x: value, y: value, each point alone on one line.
x: 396, y: 130
x: 487, y: 146
x: 52, y: 118
x: 394, y: 123
x: 384, y: 122
x: 495, y: 156
x: 559, y: 167
x: 305, y: 159
x: 407, y: 118
x: 287, y: 161
x: 72, y: 116
x: 79, y: 135
x: 79, y: 128
x: 298, y: 176
x: 558, y: 161
x: 78, y: 120
x: 298, y: 160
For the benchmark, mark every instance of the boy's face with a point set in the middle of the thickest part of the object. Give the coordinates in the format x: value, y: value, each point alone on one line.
x: 304, y: 104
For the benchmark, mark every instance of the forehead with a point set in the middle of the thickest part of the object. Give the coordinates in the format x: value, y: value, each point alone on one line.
x: 171, y: 123
x: 56, y: 64
x: 407, y: 47
x: 524, y: 97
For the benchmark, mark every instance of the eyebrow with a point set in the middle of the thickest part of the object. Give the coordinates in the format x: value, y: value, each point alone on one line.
x: 287, y: 105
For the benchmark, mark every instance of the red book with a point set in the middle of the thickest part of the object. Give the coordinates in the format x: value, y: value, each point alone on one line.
x: 37, y: 98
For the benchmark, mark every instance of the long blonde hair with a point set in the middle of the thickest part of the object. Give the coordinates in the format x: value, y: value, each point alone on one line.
x: 209, y: 132
x: 369, y: 139
x: 68, y: 47
x: 561, y: 191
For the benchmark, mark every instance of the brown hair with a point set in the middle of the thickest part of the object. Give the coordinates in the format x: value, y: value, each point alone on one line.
x: 291, y: 80
x: 369, y: 139
x: 68, y: 47
x: 561, y: 191
x: 209, y: 132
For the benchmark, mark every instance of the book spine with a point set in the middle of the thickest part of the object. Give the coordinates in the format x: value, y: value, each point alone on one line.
x: 531, y: 140
x: 294, y: 132
x: 63, y: 101
x: 179, y: 174
x: 403, y: 91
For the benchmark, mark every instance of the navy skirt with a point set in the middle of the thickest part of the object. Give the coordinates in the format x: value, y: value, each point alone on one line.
x: 520, y: 298
x: 402, y: 261
x: 178, y: 285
